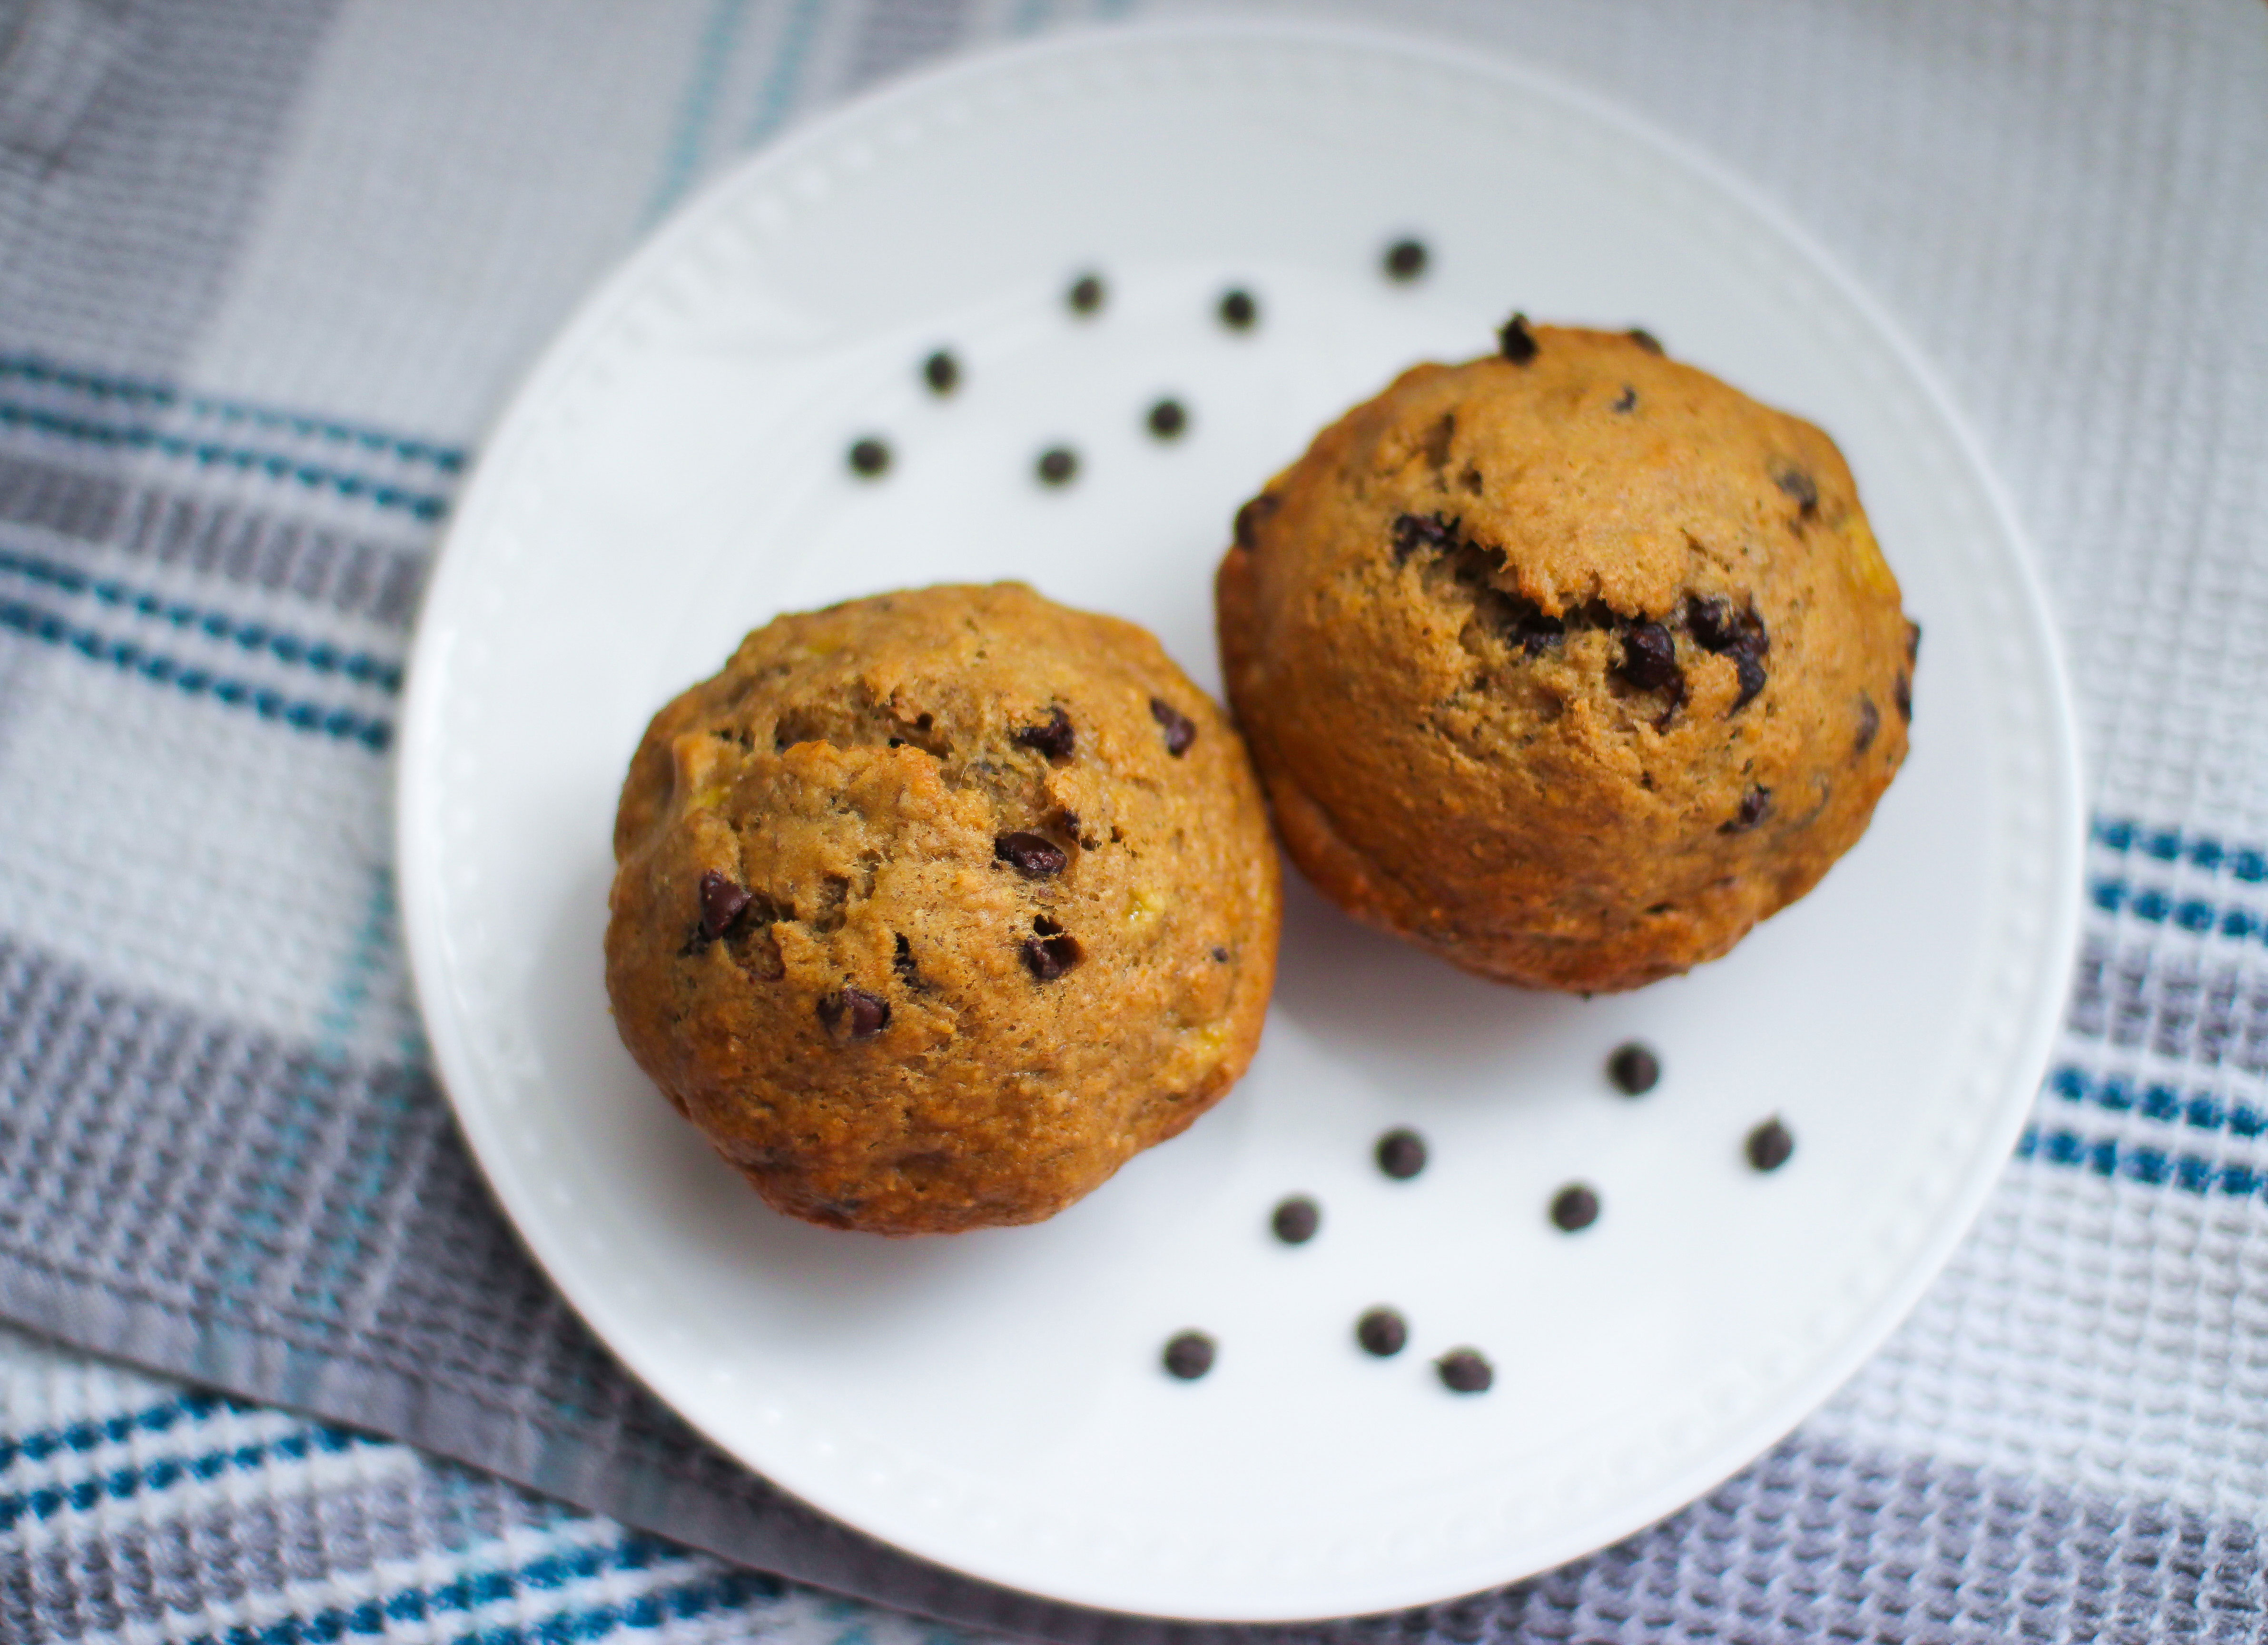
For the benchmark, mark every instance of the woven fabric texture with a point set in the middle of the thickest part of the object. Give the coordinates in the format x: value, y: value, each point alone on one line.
x: 266, y: 269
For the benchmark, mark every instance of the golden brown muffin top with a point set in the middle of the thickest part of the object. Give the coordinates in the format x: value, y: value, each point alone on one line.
x: 934, y: 908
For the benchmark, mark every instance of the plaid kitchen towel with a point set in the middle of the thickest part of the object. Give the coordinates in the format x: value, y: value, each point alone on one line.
x: 267, y: 267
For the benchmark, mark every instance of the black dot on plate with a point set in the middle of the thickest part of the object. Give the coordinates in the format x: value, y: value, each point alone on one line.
x: 1296, y: 1219
x: 1058, y: 465
x: 1463, y: 1371
x: 1085, y: 294
x: 869, y: 457
x: 1771, y: 1146
x: 1167, y: 419
x: 941, y: 372
x: 1189, y: 1355
x: 1405, y: 259
x: 1238, y: 310
x: 1382, y: 1331
x: 1575, y: 1208
x: 1401, y: 1155
x: 1634, y: 1068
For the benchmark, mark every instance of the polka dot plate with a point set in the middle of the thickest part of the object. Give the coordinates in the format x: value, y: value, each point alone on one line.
x: 1052, y: 315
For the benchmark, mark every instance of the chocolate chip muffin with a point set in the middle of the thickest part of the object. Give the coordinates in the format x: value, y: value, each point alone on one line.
x: 1569, y: 664
x: 932, y: 909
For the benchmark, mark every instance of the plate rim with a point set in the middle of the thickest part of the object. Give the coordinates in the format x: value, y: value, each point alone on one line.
x: 516, y: 426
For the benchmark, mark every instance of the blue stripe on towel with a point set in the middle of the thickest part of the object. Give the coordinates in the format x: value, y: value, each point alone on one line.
x: 139, y: 391
x: 282, y: 644
x: 214, y: 454
x: 680, y: 1602
x: 130, y: 658
x: 43, y: 1503
x: 2140, y: 1162
x: 2201, y: 1111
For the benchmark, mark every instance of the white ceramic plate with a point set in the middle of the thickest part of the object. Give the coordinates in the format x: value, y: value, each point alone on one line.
x: 674, y: 474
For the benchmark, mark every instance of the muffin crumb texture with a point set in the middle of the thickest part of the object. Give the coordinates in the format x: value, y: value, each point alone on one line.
x: 1569, y: 664
x: 932, y: 909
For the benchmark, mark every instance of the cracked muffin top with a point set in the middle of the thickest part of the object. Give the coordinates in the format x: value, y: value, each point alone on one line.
x: 932, y: 909
x: 1569, y: 664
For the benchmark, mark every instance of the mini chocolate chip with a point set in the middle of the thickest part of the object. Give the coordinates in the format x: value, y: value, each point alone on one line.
x: 1756, y: 806
x: 1220, y: 956
x: 1634, y: 1068
x: 1296, y: 1219
x: 869, y: 457
x: 853, y: 1014
x: 1800, y: 486
x: 1463, y: 1371
x: 1189, y: 1355
x: 1058, y: 465
x: 1650, y: 658
x: 1167, y: 419
x: 903, y: 961
x: 1413, y: 532
x: 1249, y: 516
x: 1180, y: 730
x: 1771, y: 1144
x: 1575, y: 1208
x: 1047, y: 958
x: 941, y: 372
x: 1045, y: 927
x: 1751, y: 674
x: 1913, y: 641
x: 1645, y: 339
x: 722, y: 901
x: 1085, y: 294
x: 1401, y: 1155
x: 1870, y: 721
x: 1901, y: 694
x: 1515, y: 341
x: 1716, y: 627
x: 1627, y: 401
x: 1382, y: 1331
x: 1035, y: 856
x: 1238, y: 311
x: 1405, y: 259
x: 1711, y: 622
x: 1054, y: 739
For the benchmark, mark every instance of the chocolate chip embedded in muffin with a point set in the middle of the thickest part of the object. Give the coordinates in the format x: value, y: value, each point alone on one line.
x: 1035, y: 856
x: 1180, y: 730
x: 1056, y: 737
x: 915, y: 913
x: 1594, y: 675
